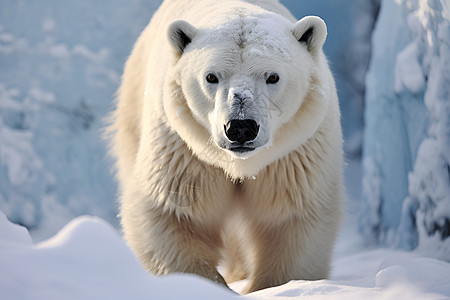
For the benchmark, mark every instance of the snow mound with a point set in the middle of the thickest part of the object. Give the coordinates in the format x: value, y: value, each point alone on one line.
x: 12, y: 234
x: 87, y: 259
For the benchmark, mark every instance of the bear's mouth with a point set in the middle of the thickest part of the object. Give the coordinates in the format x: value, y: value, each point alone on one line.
x: 241, y: 149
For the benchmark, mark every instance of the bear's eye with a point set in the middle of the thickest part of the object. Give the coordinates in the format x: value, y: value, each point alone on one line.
x: 274, y: 78
x: 211, y: 78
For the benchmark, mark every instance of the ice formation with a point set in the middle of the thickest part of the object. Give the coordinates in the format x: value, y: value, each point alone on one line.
x: 406, y: 158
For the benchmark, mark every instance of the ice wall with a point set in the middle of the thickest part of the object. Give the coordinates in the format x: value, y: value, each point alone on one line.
x: 406, y: 149
x: 60, y: 64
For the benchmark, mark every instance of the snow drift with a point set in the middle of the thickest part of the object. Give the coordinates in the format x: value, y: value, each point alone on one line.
x: 87, y: 259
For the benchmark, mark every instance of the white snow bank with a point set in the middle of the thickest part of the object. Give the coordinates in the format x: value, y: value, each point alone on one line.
x: 87, y: 259
x: 377, y: 274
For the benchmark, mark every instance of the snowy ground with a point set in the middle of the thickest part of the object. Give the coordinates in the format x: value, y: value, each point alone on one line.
x: 88, y: 259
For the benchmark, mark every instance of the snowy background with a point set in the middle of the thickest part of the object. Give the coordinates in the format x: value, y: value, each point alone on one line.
x: 60, y: 65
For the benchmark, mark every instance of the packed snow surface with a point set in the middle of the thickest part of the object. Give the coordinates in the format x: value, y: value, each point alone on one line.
x: 87, y: 259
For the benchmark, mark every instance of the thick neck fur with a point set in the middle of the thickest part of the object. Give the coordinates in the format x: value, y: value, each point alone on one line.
x: 182, y: 183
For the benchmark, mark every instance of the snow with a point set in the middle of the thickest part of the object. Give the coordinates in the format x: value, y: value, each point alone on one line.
x: 408, y: 72
x: 88, y: 259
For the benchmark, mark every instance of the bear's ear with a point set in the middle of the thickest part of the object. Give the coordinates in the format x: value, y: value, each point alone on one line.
x: 181, y: 34
x: 312, y: 32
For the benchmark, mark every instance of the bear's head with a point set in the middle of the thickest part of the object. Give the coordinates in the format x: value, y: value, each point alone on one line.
x: 240, y: 94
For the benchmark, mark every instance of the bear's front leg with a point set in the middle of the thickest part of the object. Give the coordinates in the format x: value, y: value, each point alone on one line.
x: 165, y: 243
x: 290, y: 250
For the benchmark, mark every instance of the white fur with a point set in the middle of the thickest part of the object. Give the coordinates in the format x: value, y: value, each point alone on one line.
x: 188, y: 202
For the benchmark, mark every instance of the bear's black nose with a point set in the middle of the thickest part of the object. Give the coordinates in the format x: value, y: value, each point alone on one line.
x: 241, y: 131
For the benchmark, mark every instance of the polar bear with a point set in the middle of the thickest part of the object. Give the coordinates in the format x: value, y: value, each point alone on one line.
x: 228, y: 144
